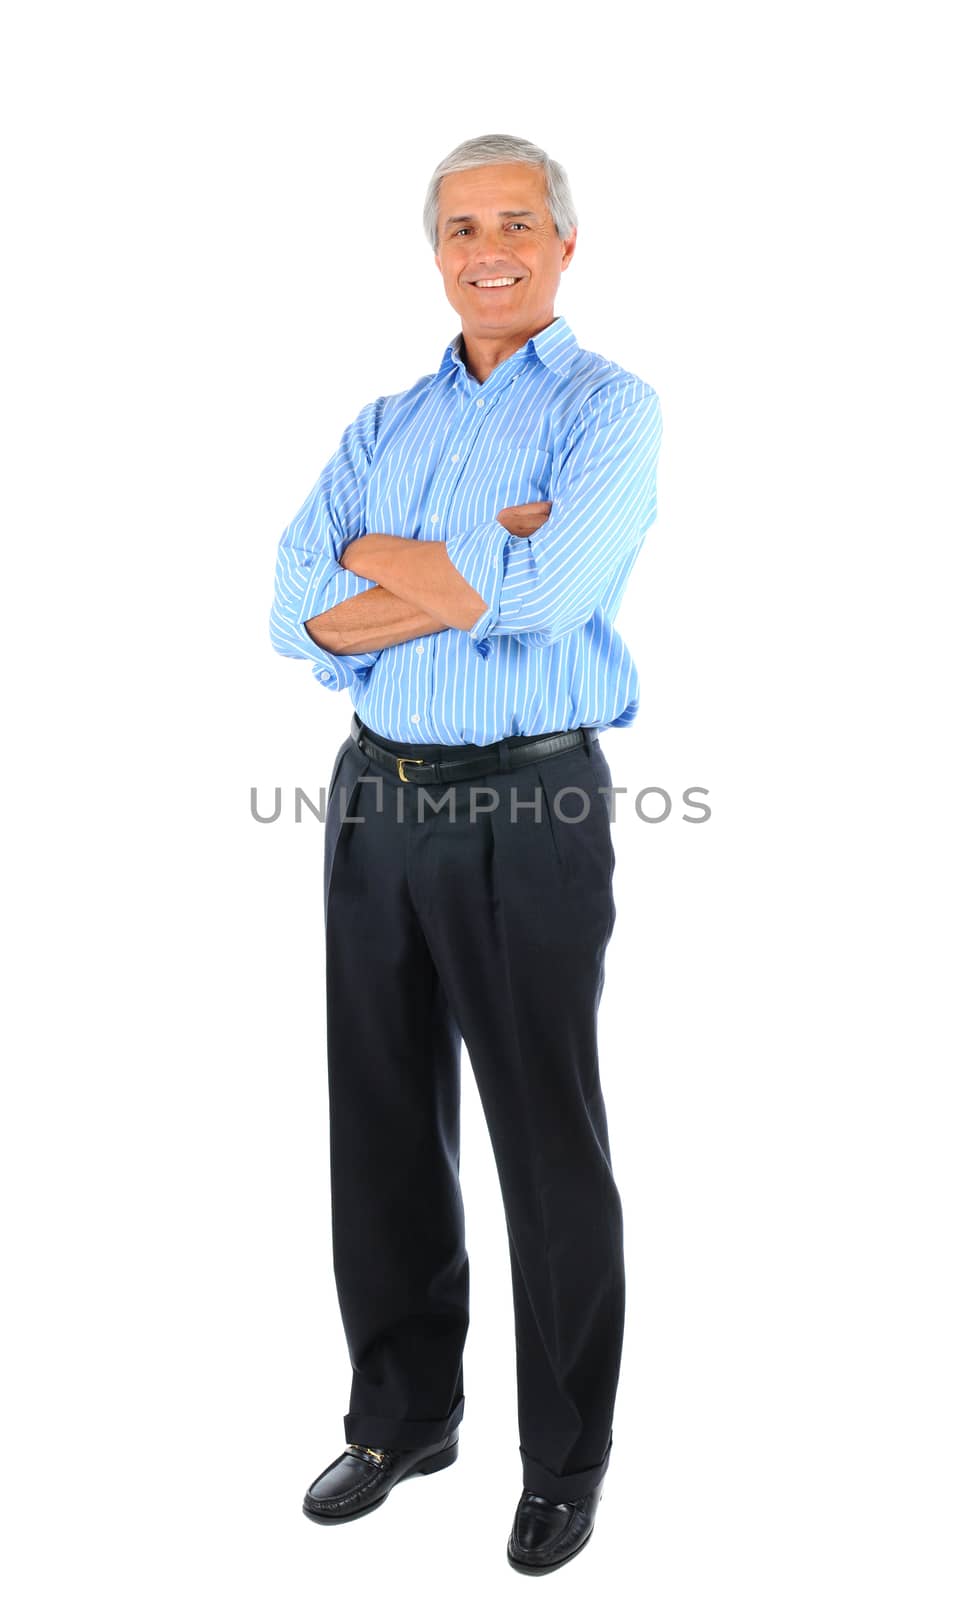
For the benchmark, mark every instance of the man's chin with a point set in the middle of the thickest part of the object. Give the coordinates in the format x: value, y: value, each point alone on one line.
x: 491, y: 320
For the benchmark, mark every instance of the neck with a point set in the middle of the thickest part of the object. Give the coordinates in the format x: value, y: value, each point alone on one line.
x: 484, y: 352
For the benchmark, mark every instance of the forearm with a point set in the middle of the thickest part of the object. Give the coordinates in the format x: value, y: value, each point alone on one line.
x: 371, y: 621
x: 418, y: 571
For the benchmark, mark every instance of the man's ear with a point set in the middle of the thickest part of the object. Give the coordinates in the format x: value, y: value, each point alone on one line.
x: 569, y: 250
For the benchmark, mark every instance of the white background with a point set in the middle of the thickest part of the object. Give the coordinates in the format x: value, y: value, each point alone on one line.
x: 215, y: 257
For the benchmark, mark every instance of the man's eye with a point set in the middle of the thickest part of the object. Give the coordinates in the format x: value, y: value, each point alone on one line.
x: 468, y: 230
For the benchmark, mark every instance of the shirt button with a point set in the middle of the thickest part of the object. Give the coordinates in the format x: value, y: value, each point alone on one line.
x: 325, y: 674
x: 435, y: 518
x: 420, y: 649
x: 479, y: 402
x: 454, y: 458
x: 415, y: 716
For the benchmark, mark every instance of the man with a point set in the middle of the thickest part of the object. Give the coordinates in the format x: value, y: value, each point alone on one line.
x: 457, y: 568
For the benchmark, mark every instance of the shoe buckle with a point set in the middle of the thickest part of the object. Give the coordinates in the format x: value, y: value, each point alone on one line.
x: 377, y: 1454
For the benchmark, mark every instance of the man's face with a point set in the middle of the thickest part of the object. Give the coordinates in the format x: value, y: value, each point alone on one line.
x: 478, y: 240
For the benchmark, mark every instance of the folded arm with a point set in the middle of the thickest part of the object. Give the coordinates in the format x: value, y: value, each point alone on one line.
x: 422, y: 574
x: 370, y: 622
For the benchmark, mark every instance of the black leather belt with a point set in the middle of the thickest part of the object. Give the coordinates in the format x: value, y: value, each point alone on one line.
x: 500, y: 757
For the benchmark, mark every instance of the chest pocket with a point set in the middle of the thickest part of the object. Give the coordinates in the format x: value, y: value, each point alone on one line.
x: 520, y: 474
x: 494, y: 480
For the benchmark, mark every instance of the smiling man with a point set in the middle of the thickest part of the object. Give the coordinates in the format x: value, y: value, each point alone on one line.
x: 458, y: 568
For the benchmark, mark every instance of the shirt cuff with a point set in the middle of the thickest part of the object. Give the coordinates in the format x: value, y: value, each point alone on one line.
x: 479, y: 555
x: 339, y: 672
x: 332, y: 671
x: 321, y: 592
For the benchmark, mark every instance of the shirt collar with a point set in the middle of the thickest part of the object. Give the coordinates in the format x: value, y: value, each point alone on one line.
x: 556, y: 347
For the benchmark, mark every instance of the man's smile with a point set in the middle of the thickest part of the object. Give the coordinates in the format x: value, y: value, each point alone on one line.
x: 494, y: 283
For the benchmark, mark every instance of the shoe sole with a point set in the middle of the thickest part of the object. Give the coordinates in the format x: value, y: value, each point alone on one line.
x: 444, y: 1458
x: 538, y: 1568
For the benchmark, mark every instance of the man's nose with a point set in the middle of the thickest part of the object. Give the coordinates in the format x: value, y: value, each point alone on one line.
x: 488, y: 252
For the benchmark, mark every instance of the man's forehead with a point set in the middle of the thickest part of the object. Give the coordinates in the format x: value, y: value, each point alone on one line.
x: 514, y: 187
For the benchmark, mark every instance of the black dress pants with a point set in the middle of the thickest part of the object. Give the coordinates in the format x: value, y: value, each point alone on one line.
x: 488, y: 922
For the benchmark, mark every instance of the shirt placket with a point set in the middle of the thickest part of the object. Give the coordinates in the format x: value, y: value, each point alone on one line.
x: 474, y: 406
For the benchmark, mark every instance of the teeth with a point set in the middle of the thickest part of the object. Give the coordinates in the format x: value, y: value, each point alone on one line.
x: 493, y: 283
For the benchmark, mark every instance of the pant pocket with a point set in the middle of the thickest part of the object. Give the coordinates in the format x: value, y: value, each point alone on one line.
x: 342, y: 803
x: 337, y: 765
x: 578, y: 817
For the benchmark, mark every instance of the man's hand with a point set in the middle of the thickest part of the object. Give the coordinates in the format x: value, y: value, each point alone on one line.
x: 525, y: 519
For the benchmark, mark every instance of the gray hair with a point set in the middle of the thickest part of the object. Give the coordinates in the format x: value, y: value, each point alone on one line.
x: 487, y: 151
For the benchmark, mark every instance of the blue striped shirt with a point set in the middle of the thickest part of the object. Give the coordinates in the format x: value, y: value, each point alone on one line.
x: 552, y: 422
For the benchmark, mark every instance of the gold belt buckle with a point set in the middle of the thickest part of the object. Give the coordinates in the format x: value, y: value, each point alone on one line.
x: 403, y: 761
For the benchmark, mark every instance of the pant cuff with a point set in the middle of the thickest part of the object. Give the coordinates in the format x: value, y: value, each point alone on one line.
x: 567, y: 1486
x: 400, y: 1433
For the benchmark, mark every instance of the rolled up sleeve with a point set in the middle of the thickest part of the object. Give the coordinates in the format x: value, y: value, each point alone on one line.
x: 308, y: 577
x: 545, y: 586
x: 480, y: 555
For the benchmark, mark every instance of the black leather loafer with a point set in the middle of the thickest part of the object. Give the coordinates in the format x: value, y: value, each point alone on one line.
x: 361, y: 1477
x: 548, y: 1533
